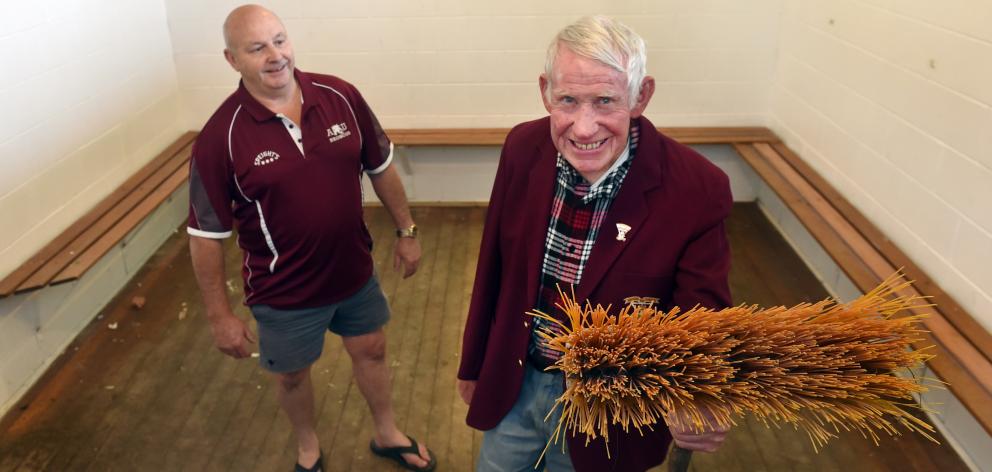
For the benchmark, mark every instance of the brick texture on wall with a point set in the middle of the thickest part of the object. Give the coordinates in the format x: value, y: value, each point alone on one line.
x: 91, y: 93
x: 449, y: 63
x: 892, y: 102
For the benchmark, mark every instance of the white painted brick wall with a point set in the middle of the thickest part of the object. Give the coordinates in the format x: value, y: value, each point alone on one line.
x: 91, y: 93
x: 449, y: 63
x: 907, y: 140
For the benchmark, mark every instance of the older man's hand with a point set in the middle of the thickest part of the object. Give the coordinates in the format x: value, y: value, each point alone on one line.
x: 706, y: 441
x: 466, y: 389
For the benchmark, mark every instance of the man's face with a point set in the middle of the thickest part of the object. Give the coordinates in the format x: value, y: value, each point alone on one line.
x: 590, y: 112
x: 261, y: 51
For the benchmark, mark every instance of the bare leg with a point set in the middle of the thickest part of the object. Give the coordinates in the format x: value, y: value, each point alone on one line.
x: 295, y: 392
x: 368, y: 358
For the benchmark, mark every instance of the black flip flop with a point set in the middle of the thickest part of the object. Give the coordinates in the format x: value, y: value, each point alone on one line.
x: 317, y: 466
x: 396, y: 454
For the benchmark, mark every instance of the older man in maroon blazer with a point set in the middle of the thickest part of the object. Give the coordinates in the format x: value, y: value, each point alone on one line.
x: 594, y: 197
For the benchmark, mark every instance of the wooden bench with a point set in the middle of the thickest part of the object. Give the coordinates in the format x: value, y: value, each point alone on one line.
x: 80, y: 247
x: 963, y: 347
x: 496, y: 136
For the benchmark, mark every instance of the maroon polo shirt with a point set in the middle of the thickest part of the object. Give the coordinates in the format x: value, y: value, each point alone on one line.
x: 292, y: 190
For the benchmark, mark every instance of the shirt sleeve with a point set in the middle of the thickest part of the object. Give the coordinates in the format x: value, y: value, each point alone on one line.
x: 377, y: 149
x: 210, y: 213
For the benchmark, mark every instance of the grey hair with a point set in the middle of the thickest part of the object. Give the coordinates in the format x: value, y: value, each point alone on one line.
x: 607, y: 41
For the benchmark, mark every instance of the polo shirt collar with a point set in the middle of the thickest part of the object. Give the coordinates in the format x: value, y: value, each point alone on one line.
x: 261, y: 113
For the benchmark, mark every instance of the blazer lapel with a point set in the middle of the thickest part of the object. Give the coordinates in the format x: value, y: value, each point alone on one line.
x: 537, y: 212
x: 629, y: 208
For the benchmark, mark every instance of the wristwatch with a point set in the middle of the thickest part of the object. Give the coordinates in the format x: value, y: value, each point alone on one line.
x: 410, y: 232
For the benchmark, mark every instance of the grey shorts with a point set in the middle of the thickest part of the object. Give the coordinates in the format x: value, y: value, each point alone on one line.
x: 290, y: 340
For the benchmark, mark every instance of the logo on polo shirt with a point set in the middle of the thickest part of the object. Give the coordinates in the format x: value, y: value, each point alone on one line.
x: 338, y: 132
x: 266, y: 157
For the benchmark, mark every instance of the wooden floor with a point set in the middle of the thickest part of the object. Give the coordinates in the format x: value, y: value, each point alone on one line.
x: 153, y: 394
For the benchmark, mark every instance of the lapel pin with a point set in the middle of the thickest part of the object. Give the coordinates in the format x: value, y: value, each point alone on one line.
x: 622, y: 230
x: 641, y: 302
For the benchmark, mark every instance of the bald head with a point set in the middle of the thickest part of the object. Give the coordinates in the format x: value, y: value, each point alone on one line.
x: 242, y: 19
x: 258, y: 47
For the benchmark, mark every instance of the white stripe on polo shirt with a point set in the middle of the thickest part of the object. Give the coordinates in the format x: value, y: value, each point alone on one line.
x: 201, y: 233
x: 230, y: 130
x: 237, y: 240
x: 258, y: 206
x: 389, y: 160
x: 230, y: 154
x: 207, y: 234
x: 268, y: 237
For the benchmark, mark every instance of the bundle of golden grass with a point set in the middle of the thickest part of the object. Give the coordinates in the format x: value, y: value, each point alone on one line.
x: 825, y: 366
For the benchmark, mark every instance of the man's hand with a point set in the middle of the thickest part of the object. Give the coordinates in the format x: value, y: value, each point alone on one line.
x: 389, y: 188
x: 230, y: 335
x: 230, y: 332
x: 466, y: 388
x: 407, y: 256
x: 707, y: 441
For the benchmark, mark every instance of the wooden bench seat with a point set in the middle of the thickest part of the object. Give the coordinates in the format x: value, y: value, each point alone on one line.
x: 79, y: 247
x: 496, y: 136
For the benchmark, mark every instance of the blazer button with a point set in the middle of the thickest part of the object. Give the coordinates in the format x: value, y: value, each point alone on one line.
x: 526, y: 325
x: 521, y: 362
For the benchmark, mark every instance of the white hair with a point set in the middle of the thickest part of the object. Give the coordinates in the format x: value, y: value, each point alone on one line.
x: 607, y: 41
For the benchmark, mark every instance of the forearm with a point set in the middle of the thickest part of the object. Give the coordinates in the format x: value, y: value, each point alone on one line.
x: 389, y: 188
x: 208, y: 265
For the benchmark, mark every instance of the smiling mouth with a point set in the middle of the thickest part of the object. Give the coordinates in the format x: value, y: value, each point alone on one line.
x: 588, y: 146
x: 278, y: 69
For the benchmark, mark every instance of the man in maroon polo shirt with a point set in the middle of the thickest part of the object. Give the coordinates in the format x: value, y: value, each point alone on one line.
x: 594, y: 197
x: 281, y: 160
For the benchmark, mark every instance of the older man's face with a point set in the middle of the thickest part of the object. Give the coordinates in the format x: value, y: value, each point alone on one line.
x: 590, y: 112
x: 261, y: 51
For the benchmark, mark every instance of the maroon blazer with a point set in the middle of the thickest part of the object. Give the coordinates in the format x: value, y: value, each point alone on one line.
x: 675, y: 202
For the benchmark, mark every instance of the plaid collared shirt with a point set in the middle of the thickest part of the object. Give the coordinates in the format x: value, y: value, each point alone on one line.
x: 577, y: 212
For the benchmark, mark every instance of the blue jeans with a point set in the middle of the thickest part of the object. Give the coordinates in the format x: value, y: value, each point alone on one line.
x: 516, y: 443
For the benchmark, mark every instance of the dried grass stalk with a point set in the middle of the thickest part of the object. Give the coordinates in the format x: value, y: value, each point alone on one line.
x: 824, y: 366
